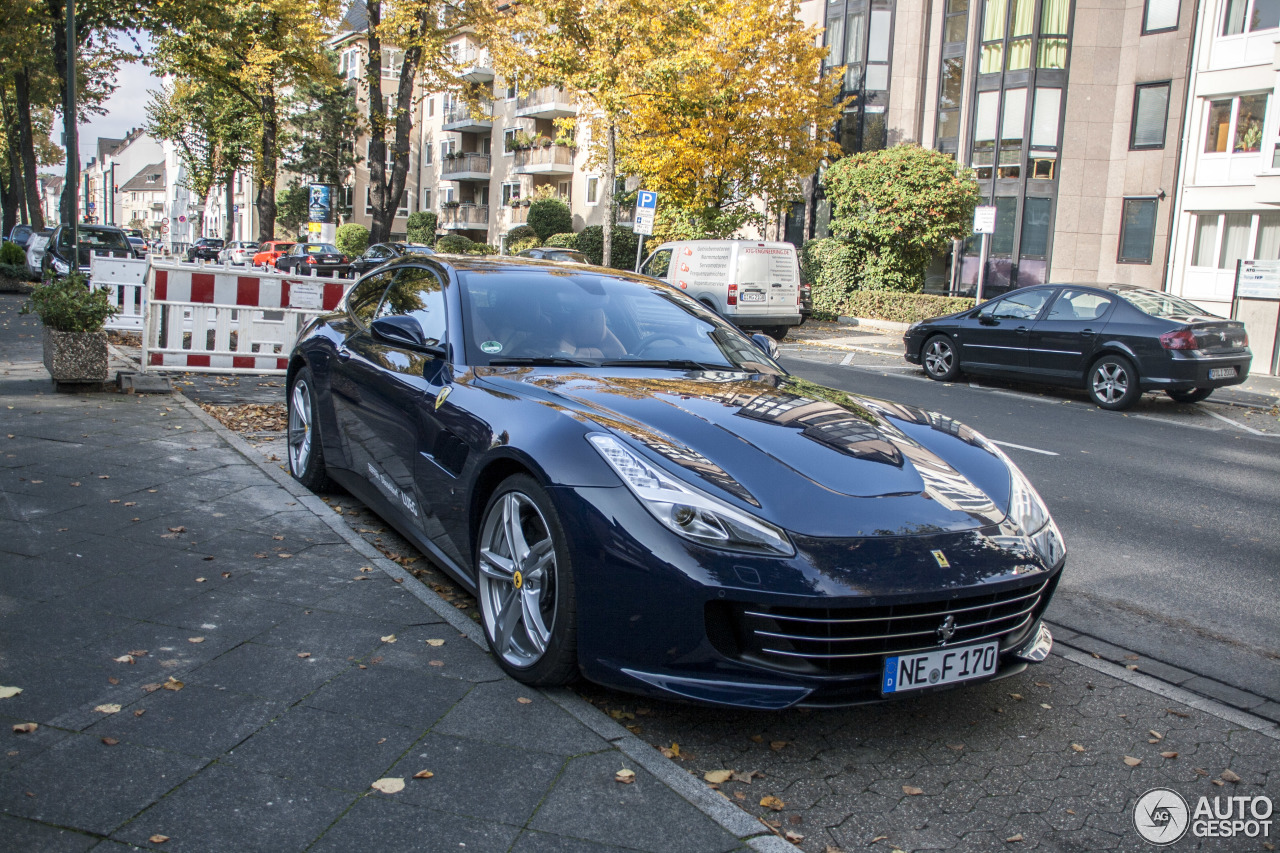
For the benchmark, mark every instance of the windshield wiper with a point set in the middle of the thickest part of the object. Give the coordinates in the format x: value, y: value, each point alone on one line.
x: 673, y: 363
x: 549, y: 361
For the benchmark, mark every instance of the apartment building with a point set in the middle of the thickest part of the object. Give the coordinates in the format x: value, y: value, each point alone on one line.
x: 142, y: 200
x: 1229, y: 204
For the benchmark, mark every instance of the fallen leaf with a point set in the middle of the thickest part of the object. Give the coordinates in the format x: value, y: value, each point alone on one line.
x: 178, y: 529
x: 524, y: 700
x: 739, y: 795
x: 158, y: 839
x: 173, y: 684
x: 1077, y: 747
x: 6, y: 692
x: 435, y: 644
x: 793, y: 836
x: 74, y: 484
x: 390, y: 638
x: 1046, y: 706
x: 1131, y: 761
x: 138, y: 653
x: 1014, y: 839
x: 1218, y: 782
x: 634, y: 729
x: 111, y: 679
x: 200, y: 580
x: 717, y: 777
x: 748, y: 776
x: 625, y: 776
x: 1131, y: 657
x: 772, y: 802
x: 423, y: 774
x: 130, y: 503
x: 124, y: 659
x: 140, y: 712
x: 956, y: 746
x: 388, y: 785
x: 441, y: 663
x: 1177, y: 713
x: 278, y: 538
x: 110, y: 741
x: 1229, y: 776
x: 795, y: 819
x: 226, y: 574
x: 284, y: 556
x: 195, y: 639
x: 1200, y: 771
x: 758, y: 738
x: 25, y: 728
x: 672, y: 751
x: 621, y: 715
x: 1131, y: 666
x: 1017, y: 697
x: 1168, y: 755
x: 111, y: 708
x: 912, y: 790
x: 874, y: 840
x: 1042, y: 684
x: 777, y: 745
x: 304, y: 655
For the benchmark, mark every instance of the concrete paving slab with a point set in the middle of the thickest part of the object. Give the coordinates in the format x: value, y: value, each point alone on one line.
x: 380, y: 822
x: 27, y: 835
x: 492, y: 712
x: 267, y: 671
x: 405, y: 697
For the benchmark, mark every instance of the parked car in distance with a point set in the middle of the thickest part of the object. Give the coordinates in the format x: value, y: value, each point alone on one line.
x: 553, y: 253
x: 60, y: 256
x: 20, y: 234
x: 140, y: 248
x: 754, y: 285
x: 638, y: 493
x: 238, y: 252
x: 267, y: 253
x: 35, y: 252
x: 379, y: 253
x: 205, y: 249
x: 1115, y: 341
x: 313, y: 259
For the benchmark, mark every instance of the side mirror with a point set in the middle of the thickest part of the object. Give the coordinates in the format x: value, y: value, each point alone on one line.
x: 766, y: 343
x: 403, y: 330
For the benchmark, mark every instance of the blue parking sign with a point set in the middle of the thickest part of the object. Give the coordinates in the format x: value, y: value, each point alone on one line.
x: 646, y: 209
x: 647, y: 200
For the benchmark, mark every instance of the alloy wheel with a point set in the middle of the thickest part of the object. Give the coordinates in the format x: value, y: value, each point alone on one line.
x: 517, y: 579
x: 1110, y: 382
x: 299, y: 428
x: 939, y: 357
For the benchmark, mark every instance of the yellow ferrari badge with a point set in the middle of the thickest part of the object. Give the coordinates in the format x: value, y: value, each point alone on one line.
x: 942, y: 560
x: 443, y: 395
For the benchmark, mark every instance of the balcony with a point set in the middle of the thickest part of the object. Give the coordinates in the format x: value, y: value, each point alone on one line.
x: 517, y: 215
x: 548, y: 102
x: 467, y: 166
x: 552, y: 160
x: 473, y: 65
x: 462, y: 119
x: 465, y: 217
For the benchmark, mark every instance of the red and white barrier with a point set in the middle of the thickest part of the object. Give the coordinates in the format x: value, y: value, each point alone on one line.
x: 228, y: 321
x: 124, y: 279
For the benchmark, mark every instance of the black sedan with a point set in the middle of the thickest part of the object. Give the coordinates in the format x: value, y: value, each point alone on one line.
x: 554, y: 253
x: 313, y: 259
x: 379, y: 253
x: 205, y: 249
x: 60, y: 257
x: 638, y: 493
x: 1114, y: 341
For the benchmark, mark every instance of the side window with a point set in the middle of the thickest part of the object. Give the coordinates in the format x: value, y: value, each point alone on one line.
x: 1075, y: 304
x: 420, y: 294
x: 1021, y: 306
x: 362, y: 302
x: 658, y: 265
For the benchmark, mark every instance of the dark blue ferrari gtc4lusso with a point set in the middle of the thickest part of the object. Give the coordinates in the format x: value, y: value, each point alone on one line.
x: 637, y: 493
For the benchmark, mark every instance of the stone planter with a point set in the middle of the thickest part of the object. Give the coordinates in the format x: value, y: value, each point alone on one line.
x: 75, y: 357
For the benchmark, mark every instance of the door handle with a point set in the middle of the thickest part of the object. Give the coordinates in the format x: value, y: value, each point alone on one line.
x: 1022, y: 330
x: 1089, y: 332
x: 344, y: 353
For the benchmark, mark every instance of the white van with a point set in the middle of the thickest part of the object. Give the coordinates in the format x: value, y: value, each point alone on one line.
x: 752, y: 284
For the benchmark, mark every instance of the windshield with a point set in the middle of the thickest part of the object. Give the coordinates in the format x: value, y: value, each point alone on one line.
x: 321, y: 249
x: 1162, y: 304
x: 566, y: 255
x: 418, y: 250
x: 525, y: 315
x: 93, y: 238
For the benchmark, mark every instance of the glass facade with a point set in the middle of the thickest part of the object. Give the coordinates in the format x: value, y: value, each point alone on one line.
x: 859, y: 36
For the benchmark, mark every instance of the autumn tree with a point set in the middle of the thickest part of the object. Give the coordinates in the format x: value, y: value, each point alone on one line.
x: 736, y: 117
x: 897, y: 208
x: 595, y: 50
x: 255, y: 51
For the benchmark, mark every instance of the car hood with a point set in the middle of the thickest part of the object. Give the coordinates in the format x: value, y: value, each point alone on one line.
x: 818, y: 461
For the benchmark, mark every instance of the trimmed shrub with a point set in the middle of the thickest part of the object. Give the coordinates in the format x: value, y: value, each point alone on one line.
x: 549, y: 216
x: 352, y: 239
x: 520, y: 245
x: 832, y: 266
x: 68, y: 304
x: 591, y: 244
x: 12, y: 254
x: 522, y: 234
x: 482, y: 249
x: 14, y: 279
x: 567, y: 240
x: 421, y: 228
x: 454, y: 244
x: 896, y: 306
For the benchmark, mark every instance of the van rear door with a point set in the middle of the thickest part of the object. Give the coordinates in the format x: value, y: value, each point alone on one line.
x: 768, y: 277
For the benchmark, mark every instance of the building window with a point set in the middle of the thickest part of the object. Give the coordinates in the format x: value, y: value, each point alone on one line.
x: 1160, y: 16
x: 1137, y: 231
x: 1035, y: 226
x: 426, y: 153
x: 1150, y: 115
x: 509, y: 139
x: 1235, y: 125
x: 1258, y: 14
x: 593, y: 190
x: 368, y: 208
x: 858, y: 36
x: 510, y: 193
x: 426, y: 199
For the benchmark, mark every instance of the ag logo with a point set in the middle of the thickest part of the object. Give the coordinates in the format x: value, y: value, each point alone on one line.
x: 1161, y: 816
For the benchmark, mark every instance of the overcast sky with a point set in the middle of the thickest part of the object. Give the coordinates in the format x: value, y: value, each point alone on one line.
x: 126, y: 108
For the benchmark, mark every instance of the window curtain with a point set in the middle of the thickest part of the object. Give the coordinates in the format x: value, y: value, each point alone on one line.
x: 1044, y: 119
x: 992, y: 59
x: 1052, y: 53
x: 993, y: 20
x: 1019, y: 54
x: 1235, y: 239
x: 1267, y: 247
x: 1053, y: 17
x: 1024, y: 13
x: 1233, y: 21
x: 835, y: 42
x: 1206, y: 240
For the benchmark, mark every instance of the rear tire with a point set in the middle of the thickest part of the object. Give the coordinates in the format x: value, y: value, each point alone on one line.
x: 940, y: 359
x: 306, y: 455
x: 1112, y: 383
x: 1195, y: 395
x: 778, y: 333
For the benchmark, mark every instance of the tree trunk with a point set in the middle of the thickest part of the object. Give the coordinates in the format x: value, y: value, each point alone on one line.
x: 229, y: 201
x: 266, y: 172
x: 13, y: 208
x: 611, y: 208
x: 22, y: 87
x: 380, y: 231
x: 8, y: 204
x: 71, y: 185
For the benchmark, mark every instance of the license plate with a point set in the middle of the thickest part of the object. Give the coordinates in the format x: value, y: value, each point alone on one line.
x: 1222, y: 372
x: 752, y: 296
x: 943, y: 666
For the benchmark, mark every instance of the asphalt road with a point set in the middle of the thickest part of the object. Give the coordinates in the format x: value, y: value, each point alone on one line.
x: 1171, y: 514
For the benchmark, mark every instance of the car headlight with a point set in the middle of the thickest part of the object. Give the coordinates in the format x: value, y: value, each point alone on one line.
x: 690, y: 512
x: 59, y: 266
x: 1028, y: 512
x: 911, y: 330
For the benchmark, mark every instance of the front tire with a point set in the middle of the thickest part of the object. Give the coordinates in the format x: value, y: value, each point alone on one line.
x: 1195, y: 395
x: 306, y: 455
x: 778, y: 333
x: 525, y: 585
x: 1112, y: 383
x: 940, y: 359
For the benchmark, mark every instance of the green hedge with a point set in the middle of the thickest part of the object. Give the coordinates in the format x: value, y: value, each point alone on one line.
x: 421, y: 228
x: 549, y: 216
x: 566, y: 240
x: 456, y: 244
x: 591, y: 244
x: 12, y: 254
x: 524, y: 236
x: 897, y: 307
x: 352, y: 239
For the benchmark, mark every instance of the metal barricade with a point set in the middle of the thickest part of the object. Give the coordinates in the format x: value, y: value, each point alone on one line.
x: 224, y: 320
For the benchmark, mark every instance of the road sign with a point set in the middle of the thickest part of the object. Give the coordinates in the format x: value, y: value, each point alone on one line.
x: 164, y: 228
x: 182, y: 219
x: 164, y: 221
x: 984, y: 219
x: 646, y: 210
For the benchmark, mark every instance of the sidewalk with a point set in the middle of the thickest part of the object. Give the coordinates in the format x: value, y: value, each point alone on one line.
x: 213, y: 665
